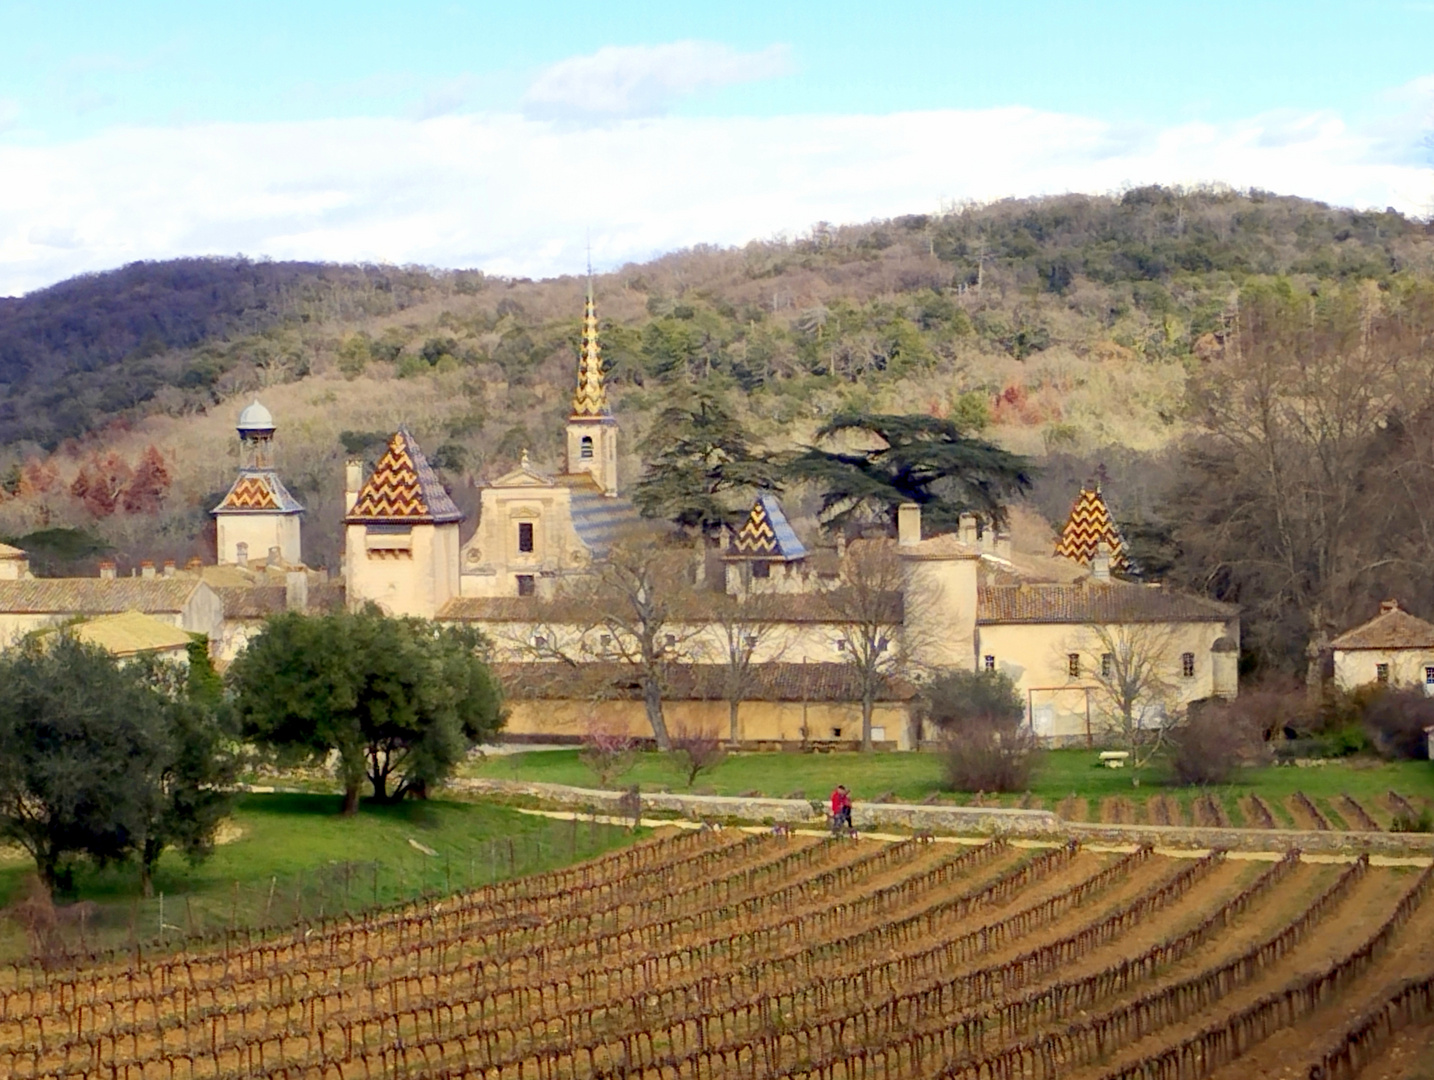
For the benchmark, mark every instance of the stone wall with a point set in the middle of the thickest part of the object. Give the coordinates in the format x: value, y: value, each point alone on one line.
x: 971, y: 820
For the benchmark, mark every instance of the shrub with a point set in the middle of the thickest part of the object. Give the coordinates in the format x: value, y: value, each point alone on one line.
x: 1395, y: 721
x: 986, y: 745
x: 607, y: 753
x: 1211, y: 744
x: 1405, y: 823
x: 695, y: 752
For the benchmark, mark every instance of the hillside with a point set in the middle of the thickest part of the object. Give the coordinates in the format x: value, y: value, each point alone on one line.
x: 1065, y: 327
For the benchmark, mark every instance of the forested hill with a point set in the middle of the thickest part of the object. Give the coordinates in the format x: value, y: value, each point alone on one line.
x: 1149, y: 271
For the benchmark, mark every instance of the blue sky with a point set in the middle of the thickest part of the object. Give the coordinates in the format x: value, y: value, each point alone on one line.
x: 455, y: 133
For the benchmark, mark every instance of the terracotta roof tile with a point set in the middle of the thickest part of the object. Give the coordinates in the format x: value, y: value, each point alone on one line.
x: 261, y: 601
x: 799, y: 607
x: 1088, y: 602
x: 1392, y: 628
x: 96, y: 596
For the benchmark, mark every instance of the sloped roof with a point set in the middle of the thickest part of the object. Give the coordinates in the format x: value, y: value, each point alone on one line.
x: 1392, y: 628
x: 692, y: 682
x: 688, y: 608
x: 262, y: 601
x: 600, y: 519
x: 1097, y: 603
x: 95, y: 596
x: 8, y: 552
x: 1089, y: 525
x: 767, y: 534
x: 131, y: 632
x: 404, y: 488
x: 258, y: 491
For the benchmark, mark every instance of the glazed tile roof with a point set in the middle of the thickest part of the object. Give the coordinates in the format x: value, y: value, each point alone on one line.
x: 590, y: 397
x: 258, y: 491
x: 600, y: 519
x: 1090, y: 523
x: 691, y: 682
x: 1392, y: 628
x: 34, y: 596
x: 767, y: 534
x: 1095, y: 603
x: 404, y: 488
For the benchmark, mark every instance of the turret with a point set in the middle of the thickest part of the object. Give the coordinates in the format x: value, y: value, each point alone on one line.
x: 258, y: 514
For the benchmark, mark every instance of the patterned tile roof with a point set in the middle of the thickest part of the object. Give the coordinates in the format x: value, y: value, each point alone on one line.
x: 404, y: 488
x: 258, y: 491
x: 1392, y: 628
x: 692, y: 682
x: 590, y: 398
x: 1106, y: 603
x: 96, y: 596
x: 768, y: 534
x: 600, y: 519
x: 1090, y: 524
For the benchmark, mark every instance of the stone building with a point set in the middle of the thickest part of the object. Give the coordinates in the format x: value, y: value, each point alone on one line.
x: 1394, y: 647
x: 258, y: 519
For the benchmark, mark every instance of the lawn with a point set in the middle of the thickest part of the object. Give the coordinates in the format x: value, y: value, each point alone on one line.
x: 1059, y: 774
x: 290, y: 856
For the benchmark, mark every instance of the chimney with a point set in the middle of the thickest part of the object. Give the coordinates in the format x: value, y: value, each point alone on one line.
x: 908, y: 525
x: 107, y: 571
x: 1100, y: 562
x: 146, y: 568
x: 353, y: 481
x: 1386, y: 606
x: 841, y: 543
x: 967, y: 529
x: 241, y: 554
x: 988, y: 539
x: 168, y: 570
x: 1003, y: 546
x: 296, y: 591
x: 275, y: 560
x: 196, y: 563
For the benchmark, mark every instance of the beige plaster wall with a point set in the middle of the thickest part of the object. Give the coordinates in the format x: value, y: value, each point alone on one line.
x: 758, y: 720
x: 603, y: 464
x: 1357, y: 667
x: 941, y: 612
x: 418, y: 583
x: 1035, y: 657
x: 491, y: 561
x: 260, y: 532
x: 794, y: 643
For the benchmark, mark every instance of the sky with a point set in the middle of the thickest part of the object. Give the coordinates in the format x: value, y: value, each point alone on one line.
x: 508, y: 137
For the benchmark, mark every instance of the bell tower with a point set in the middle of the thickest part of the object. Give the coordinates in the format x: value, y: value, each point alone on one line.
x: 258, y: 515
x: 592, y: 431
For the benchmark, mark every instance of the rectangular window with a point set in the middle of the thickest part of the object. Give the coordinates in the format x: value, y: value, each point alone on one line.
x: 670, y: 641
x: 606, y: 641
x: 1107, y: 665
x: 525, y: 536
x: 990, y: 663
x: 751, y: 641
x: 841, y: 645
x: 762, y: 569
x: 1073, y: 664
x: 526, y: 585
x: 1187, y: 665
x: 540, y: 642
x: 1429, y: 676
x: 1381, y: 673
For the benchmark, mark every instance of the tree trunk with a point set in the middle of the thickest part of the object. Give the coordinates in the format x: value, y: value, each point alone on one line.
x: 351, y: 798
x: 652, y: 701
x: 735, y: 733
x: 866, y: 709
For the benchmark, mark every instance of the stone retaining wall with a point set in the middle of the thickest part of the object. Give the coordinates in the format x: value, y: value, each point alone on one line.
x: 984, y: 821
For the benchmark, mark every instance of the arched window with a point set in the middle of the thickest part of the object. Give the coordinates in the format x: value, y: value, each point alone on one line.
x: 585, y: 448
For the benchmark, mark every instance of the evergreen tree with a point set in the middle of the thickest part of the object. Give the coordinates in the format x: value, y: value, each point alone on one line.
x: 700, y: 467
x: 919, y: 459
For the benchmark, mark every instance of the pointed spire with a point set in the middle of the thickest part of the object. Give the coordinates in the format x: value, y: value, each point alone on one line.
x: 590, y: 398
x: 1090, y: 525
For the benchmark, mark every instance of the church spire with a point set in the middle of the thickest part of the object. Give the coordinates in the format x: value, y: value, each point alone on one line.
x: 590, y: 398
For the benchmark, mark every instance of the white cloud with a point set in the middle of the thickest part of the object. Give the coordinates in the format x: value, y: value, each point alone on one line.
x: 642, y: 80
x: 519, y: 196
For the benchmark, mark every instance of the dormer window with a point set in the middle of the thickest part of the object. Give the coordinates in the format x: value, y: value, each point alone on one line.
x: 525, y: 537
x: 585, y: 448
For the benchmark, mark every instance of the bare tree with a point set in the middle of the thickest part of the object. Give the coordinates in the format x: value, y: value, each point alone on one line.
x: 637, y: 598
x: 747, y: 628
x: 1128, y: 669
x: 607, y: 753
x: 699, y: 751
x: 867, y: 609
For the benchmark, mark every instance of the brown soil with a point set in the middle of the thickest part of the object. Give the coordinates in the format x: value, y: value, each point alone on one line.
x: 1117, y: 810
x: 1257, y: 814
x: 1163, y: 810
x: 1304, y: 819
x: 1209, y: 813
x: 1073, y: 808
x: 1355, y: 815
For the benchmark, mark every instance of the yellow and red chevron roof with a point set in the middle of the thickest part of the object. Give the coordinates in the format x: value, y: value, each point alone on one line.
x: 1090, y: 524
x: 404, y: 488
x: 258, y: 491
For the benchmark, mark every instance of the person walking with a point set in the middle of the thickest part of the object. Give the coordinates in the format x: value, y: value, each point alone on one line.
x: 841, y: 808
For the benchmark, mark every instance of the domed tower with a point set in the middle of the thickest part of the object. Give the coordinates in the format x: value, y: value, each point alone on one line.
x: 258, y: 517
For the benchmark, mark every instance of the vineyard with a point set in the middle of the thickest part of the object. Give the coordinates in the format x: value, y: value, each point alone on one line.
x: 720, y: 954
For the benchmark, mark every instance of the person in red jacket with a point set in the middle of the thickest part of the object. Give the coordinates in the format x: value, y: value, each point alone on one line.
x: 841, y: 807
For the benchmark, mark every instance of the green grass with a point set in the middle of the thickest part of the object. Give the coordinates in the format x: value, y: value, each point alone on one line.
x: 295, y: 858
x: 913, y: 777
